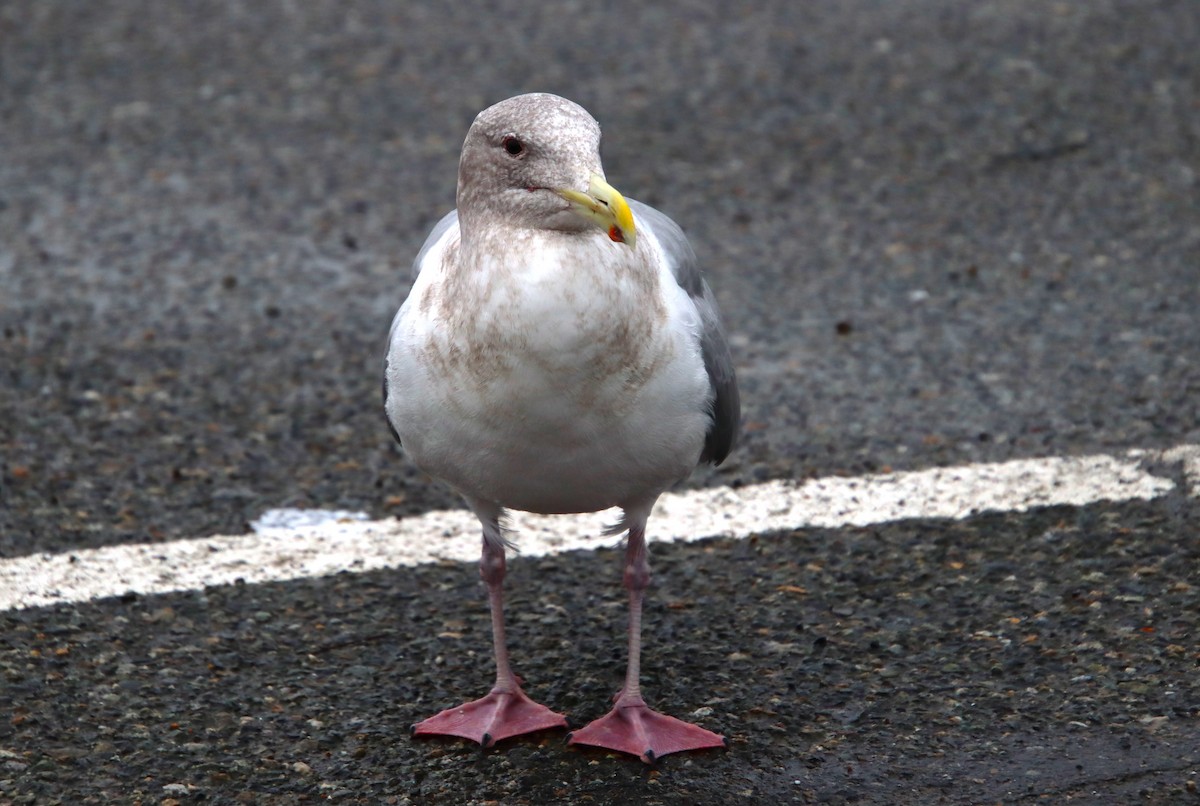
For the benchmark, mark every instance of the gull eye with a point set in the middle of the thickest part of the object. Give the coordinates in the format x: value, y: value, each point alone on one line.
x: 513, y: 145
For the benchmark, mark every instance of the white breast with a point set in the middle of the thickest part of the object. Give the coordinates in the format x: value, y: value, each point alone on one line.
x: 566, y: 383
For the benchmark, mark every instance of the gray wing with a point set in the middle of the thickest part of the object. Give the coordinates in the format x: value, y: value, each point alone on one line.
x: 441, y: 231
x: 448, y: 221
x: 714, y: 348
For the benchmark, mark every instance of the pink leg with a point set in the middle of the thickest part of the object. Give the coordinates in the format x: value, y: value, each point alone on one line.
x: 506, y: 710
x: 631, y: 726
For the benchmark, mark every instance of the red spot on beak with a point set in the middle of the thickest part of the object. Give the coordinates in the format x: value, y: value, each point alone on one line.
x: 616, y: 235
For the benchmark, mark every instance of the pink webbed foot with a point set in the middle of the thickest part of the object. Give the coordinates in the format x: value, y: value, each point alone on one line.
x: 635, y: 728
x: 497, y: 716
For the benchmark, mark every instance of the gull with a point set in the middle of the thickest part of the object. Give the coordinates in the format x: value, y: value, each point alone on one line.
x: 559, y: 352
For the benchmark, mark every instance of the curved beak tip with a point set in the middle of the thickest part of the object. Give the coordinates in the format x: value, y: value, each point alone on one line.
x: 604, y: 206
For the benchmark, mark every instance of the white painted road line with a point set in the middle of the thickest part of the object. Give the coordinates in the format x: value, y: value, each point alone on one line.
x: 327, y: 545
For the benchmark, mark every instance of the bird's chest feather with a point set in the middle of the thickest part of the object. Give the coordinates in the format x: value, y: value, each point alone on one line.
x: 568, y: 332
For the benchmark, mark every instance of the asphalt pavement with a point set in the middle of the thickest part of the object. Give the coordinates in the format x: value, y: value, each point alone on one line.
x: 941, y: 233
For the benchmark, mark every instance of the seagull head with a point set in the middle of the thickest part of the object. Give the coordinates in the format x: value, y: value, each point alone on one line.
x: 533, y: 162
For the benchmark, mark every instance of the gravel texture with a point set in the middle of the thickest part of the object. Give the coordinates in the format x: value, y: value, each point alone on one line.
x: 941, y: 232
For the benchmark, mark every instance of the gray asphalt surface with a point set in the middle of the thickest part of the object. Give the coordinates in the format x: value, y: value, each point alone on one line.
x: 941, y: 232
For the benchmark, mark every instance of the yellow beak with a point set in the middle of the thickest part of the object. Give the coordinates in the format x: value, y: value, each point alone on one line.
x: 604, y: 207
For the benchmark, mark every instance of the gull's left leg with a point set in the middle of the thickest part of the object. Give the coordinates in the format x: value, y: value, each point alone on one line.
x: 631, y: 726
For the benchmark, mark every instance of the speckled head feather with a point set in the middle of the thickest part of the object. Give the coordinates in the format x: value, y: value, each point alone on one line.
x: 554, y: 117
